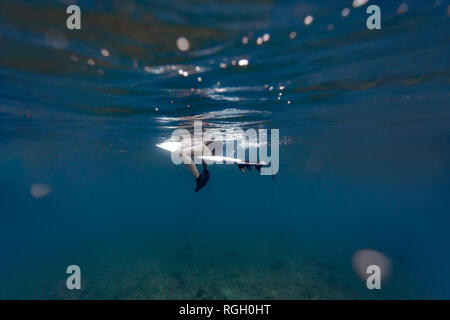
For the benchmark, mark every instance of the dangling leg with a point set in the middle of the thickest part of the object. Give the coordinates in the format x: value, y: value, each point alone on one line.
x: 201, y: 179
x: 187, y: 160
x: 205, y: 166
x: 191, y: 166
x: 205, y: 173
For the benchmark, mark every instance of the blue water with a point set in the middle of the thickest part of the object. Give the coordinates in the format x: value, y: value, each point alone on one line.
x: 364, y: 125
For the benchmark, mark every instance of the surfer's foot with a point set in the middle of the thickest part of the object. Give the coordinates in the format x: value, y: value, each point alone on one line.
x: 202, y: 180
x: 205, y: 166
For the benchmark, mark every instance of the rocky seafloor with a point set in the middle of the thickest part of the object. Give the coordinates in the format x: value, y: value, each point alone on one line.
x: 189, y: 269
x: 220, y: 278
x: 186, y: 276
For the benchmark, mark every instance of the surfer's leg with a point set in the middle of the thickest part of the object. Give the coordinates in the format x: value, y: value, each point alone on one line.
x: 191, y: 166
x: 205, y: 166
x: 203, y: 178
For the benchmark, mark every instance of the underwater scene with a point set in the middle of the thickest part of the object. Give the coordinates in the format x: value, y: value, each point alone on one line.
x: 362, y: 109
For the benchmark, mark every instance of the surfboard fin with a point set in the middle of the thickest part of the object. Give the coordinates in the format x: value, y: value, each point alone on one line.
x: 241, y: 167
